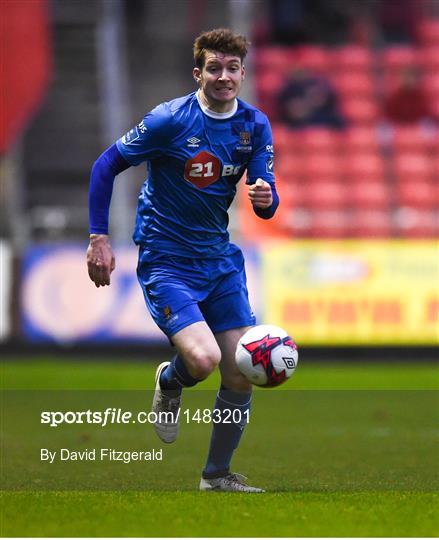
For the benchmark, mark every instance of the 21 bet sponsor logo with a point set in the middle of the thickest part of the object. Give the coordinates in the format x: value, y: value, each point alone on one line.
x: 205, y: 169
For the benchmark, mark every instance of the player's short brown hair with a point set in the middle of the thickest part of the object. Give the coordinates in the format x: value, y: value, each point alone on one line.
x: 222, y: 40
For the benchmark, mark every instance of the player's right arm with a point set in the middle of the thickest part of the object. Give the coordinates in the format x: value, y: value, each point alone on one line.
x: 100, y: 257
x: 145, y: 141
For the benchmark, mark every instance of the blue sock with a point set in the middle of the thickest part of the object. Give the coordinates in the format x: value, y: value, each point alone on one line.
x: 176, y: 376
x: 226, y: 436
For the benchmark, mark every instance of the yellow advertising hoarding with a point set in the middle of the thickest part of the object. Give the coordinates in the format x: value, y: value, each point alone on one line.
x: 354, y: 292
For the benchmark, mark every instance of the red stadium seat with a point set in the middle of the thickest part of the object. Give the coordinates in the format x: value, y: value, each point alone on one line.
x: 435, y: 107
x: 353, y: 58
x: 411, y: 139
x: 268, y: 106
x: 286, y: 141
x: 270, y: 59
x: 294, y: 142
x: 428, y: 32
x: 369, y: 195
x: 329, y: 224
x: 429, y: 59
x: 322, y: 167
x: 295, y: 222
x: 268, y: 86
x: 414, y: 165
x: 319, y: 140
x: 418, y: 194
x: 363, y: 111
x: 360, y: 139
x: 317, y: 59
x: 397, y: 57
x: 352, y: 85
x: 368, y: 223
x: 431, y: 83
x: 329, y: 194
x: 363, y: 166
x: 269, y: 83
x: 414, y: 223
x: 280, y: 138
x: 292, y: 193
x: 289, y: 166
x: 389, y: 82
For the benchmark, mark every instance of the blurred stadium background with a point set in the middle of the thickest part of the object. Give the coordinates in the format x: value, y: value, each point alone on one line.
x: 351, y: 259
x: 349, y: 265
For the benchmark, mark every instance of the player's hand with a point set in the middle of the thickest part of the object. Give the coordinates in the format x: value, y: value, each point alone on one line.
x: 100, y: 259
x: 260, y: 194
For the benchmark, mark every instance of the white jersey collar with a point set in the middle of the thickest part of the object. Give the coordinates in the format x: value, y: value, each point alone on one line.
x: 217, y: 115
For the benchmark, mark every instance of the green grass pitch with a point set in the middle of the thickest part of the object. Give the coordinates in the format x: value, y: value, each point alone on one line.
x: 342, y: 449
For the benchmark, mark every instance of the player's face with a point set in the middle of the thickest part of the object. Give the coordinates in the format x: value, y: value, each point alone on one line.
x: 220, y: 80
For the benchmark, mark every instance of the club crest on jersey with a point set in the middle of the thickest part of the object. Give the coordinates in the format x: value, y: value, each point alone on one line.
x: 244, y: 137
x: 244, y: 142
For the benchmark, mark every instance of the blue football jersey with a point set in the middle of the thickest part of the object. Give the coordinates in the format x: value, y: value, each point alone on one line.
x: 195, y: 158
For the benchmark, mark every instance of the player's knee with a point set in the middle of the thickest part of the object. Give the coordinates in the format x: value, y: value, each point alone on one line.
x: 204, y: 361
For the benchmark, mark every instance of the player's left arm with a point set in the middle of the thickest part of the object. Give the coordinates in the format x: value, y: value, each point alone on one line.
x: 260, y: 172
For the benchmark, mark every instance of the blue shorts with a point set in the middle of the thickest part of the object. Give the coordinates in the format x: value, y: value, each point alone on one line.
x: 179, y: 291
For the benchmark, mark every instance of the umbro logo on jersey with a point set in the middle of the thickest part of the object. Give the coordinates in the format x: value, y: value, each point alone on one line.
x: 193, y: 142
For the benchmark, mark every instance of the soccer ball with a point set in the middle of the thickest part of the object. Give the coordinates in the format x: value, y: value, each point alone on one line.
x: 266, y: 355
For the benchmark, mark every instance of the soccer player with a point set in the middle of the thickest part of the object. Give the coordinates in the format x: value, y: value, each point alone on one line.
x: 197, y: 148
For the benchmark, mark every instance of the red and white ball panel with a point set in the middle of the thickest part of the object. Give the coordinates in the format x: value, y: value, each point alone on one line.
x: 267, y: 355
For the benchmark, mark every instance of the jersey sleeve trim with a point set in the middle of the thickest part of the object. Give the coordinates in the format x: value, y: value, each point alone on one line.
x: 268, y: 213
